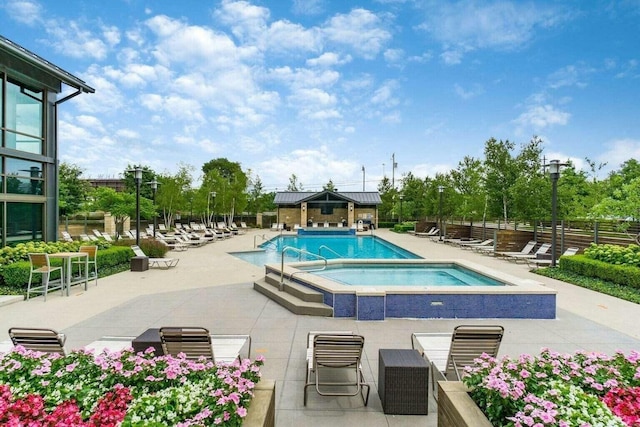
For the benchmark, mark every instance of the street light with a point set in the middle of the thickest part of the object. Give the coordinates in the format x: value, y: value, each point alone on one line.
x: 213, y: 195
x: 154, y: 188
x: 400, y: 215
x: 440, y: 190
x: 138, y: 179
x: 554, y: 174
x: 363, y: 178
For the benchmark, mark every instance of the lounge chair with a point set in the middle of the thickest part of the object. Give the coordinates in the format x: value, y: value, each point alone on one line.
x: 38, y: 339
x: 537, y: 263
x: 66, y: 236
x: 174, y: 246
x: 433, y: 232
x: 164, y: 263
x: 448, y: 354
x: 543, y: 249
x: 528, y: 248
x: 330, y: 354
x: 194, y: 342
x: 470, y: 246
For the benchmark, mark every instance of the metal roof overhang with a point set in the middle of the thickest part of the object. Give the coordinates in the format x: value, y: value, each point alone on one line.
x: 27, y: 63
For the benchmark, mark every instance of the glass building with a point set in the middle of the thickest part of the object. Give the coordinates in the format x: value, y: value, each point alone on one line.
x: 31, y: 89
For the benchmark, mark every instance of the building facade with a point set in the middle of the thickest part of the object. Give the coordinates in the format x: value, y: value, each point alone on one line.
x: 31, y: 90
x: 331, y: 207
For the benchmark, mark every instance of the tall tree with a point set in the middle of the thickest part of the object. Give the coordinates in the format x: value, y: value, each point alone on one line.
x: 174, y: 193
x: 500, y: 175
x: 73, y: 190
x: 468, y: 180
x: 294, y: 185
x: 386, y: 195
x: 121, y: 205
x: 229, y: 182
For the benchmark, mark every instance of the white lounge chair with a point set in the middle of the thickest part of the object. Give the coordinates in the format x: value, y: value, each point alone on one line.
x: 537, y: 263
x: 164, y: 263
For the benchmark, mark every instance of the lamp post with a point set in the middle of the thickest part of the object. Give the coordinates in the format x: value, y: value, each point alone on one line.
x: 154, y: 188
x: 554, y: 174
x: 138, y: 179
x: 440, y: 190
x: 362, y: 177
x: 210, y: 195
x: 400, y: 214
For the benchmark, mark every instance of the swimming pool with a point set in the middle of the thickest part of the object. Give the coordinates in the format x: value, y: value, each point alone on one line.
x: 327, y: 246
x: 515, y: 298
x: 406, y: 275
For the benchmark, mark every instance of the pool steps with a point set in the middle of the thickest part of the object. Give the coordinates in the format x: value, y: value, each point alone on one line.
x: 296, y: 298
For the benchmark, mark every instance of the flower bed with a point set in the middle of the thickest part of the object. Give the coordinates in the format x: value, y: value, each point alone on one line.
x: 553, y: 389
x: 122, y: 388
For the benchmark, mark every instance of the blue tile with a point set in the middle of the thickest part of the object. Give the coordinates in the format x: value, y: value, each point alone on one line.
x: 370, y: 307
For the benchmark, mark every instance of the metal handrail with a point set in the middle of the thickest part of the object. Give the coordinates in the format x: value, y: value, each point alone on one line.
x: 264, y: 237
x: 299, y: 252
x: 329, y: 249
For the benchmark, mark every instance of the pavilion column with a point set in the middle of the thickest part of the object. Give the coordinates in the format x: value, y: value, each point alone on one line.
x: 351, y: 214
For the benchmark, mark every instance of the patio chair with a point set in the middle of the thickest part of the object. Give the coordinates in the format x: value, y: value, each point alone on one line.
x: 433, y: 232
x: 92, y: 253
x: 38, y: 339
x: 194, y: 342
x: 40, y: 265
x: 448, y: 354
x: 66, y: 236
x: 528, y: 248
x: 164, y: 263
x: 470, y: 246
x: 333, y: 362
x: 542, y: 250
x: 537, y: 263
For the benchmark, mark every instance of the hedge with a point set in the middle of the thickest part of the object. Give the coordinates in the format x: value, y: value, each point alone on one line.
x: 620, y: 274
x: 16, y: 274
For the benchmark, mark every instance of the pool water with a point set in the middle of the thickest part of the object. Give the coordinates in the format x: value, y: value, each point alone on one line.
x: 406, y: 275
x: 329, y: 247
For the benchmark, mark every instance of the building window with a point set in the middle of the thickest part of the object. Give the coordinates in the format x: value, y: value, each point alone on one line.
x: 24, y: 222
x: 23, y: 115
x: 23, y: 177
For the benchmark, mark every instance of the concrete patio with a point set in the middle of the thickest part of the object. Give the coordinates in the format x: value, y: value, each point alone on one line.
x: 213, y: 289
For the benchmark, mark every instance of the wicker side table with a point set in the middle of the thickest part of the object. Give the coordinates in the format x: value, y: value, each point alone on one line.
x: 403, y: 382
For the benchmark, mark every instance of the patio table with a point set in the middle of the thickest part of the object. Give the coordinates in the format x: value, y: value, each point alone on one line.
x: 67, y: 258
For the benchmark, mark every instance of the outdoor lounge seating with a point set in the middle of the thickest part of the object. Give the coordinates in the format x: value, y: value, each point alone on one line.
x: 537, y: 263
x: 38, y: 339
x: 542, y: 250
x: 40, y: 265
x: 448, y: 354
x: 433, y: 232
x: 334, y: 362
x: 194, y: 342
x: 164, y: 263
x: 528, y: 248
x: 488, y: 243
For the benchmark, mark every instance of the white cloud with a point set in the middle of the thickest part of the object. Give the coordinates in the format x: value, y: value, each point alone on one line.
x: 70, y: 39
x: 619, y: 151
x: 247, y: 21
x: 541, y: 116
x: 360, y: 30
x: 465, y: 94
x: 393, y: 55
x: 571, y: 75
x: 308, y: 7
x: 468, y: 25
x: 328, y: 59
x: 24, y: 11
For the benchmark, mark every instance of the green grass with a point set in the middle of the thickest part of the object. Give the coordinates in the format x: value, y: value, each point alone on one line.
x: 619, y: 291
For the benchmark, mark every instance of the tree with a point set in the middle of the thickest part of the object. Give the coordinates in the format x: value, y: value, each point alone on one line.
x: 386, y: 195
x: 229, y: 182
x: 121, y: 205
x: 500, y: 175
x: 468, y: 181
x: 329, y: 186
x: 73, y: 191
x: 414, y: 192
x: 148, y: 175
x: 530, y: 192
x: 294, y: 185
x: 174, y: 193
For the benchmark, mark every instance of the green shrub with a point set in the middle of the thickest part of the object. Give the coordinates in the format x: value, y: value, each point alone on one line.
x: 151, y: 248
x: 403, y: 227
x: 615, y: 254
x: 585, y: 266
x: 114, y: 259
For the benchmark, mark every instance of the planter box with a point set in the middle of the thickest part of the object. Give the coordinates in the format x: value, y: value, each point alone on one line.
x: 456, y: 408
x: 262, y: 411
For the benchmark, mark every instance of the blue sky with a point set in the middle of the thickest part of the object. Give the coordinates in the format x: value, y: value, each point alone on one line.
x: 321, y: 88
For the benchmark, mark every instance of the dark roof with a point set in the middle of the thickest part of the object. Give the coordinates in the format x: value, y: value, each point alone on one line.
x: 357, y: 197
x: 43, y: 65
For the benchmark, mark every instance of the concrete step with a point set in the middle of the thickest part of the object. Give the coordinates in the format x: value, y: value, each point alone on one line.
x: 291, y: 302
x: 295, y: 289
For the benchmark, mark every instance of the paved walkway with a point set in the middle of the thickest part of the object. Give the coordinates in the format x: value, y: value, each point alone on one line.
x: 213, y: 289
